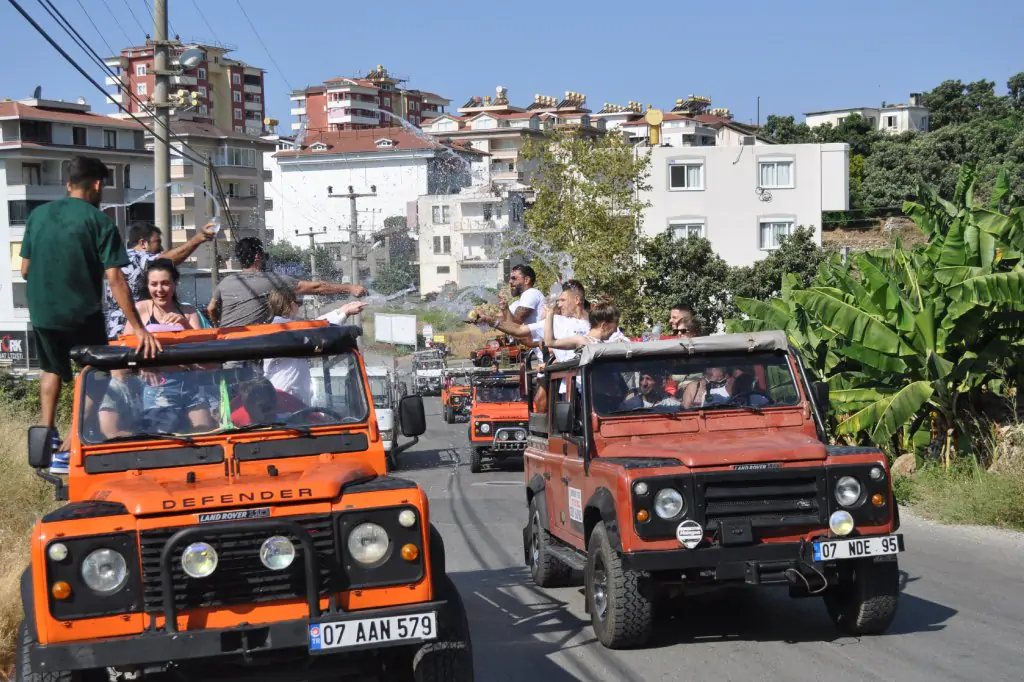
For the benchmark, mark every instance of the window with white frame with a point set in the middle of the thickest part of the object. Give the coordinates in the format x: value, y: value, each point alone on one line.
x: 686, y: 175
x: 775, y: 173
x: 177, y: 221
x: 141, y: 89
x: 110, y: 139
x: 140, y: 69
x: 236, y: 96
x: 253, y: 190
x: 201, y: 73
x: 234, y: 156
x: 236, y: 79
x: 440, y: 215
x: 890, y: 122
x: 204, y: 110
x: 686, y: 228
x: 238, y: 114
x: 203, y: 91
x: 773, y: 232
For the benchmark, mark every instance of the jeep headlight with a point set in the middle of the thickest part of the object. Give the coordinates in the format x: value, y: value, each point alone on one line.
x: 485, y: 428
x: 368, y: 543
x: 848, y: 491
x: 668, y: 503
x: 104, y: 570
x: 199, y: 560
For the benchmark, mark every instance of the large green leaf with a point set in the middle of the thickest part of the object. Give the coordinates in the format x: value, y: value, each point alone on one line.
x: 765, y: 313
x: 854, y: 399
x: 850, y: 322
x: 884, y: 417
x: 1007, y: 228
x: 1003, y: 288
x: 951, y: 276
x: 873, y: 358
x: 923, y: 338
x: 954, y: 250
x: 1000, y: 190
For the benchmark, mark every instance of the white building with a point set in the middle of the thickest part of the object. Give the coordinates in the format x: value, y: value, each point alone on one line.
x: 37, y: 140
x: 460, y: 238
x: 744, y: 198
x: 392, y: 165
x: 889, y: 118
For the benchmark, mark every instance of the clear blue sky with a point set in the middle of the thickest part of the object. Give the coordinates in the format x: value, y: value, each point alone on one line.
x: 798, y: 56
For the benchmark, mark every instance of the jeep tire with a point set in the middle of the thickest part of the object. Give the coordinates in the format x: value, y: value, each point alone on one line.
x: 545, y: 568
x: 23, y: 666
x: 620, y: 611
x: 864, y: 602
x: 476, y: 460
x: 445, y: 414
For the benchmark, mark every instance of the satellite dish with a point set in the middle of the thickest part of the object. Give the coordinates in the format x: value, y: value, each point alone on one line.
x: 38, y: 92
x: 190, y: 58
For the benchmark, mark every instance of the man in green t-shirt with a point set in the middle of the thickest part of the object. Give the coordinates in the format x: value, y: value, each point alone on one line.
x: 68, y: 248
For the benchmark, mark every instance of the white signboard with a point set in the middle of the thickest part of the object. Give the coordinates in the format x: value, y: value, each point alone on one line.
x: 400, y: 329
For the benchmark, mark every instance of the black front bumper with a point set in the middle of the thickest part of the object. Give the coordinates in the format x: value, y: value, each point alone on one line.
x: 154, y: 647
x: 754, y: 564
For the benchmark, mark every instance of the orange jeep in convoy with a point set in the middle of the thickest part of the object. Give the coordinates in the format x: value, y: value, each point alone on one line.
x: 497, y: 350
x: 216, y: 522
x: 730, y: 480
x: 456, y: 393
x: 497, y: 418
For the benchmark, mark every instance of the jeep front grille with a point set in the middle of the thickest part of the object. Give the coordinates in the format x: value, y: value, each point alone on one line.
x: 240, y: 577
x: 778, y: 498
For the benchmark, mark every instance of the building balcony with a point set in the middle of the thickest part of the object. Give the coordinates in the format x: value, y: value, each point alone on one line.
x: 48, y: 191
x: 183, y: 203
x: 184, y: 80
x: 297, y: 126
x: 242, y: 203
x: 362, y: 119
x: 477, y: 226
x: 268, y: 204
x: 116, y: 98
x: 504, y: 153
x: 132, y: 194
x: 254, y: 130
x: 182, y: 170
x: 116, y: 81
x: 477, y: 258
x: 253, y: 89
x: 498, y: 174
x: 253, y: 106
x: 298, y: 111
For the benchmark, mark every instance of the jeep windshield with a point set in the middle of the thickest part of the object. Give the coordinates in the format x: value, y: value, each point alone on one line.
x: 379, y: 391
x: 209, y: 398
x: 751, y: 381
x: 498, y: 394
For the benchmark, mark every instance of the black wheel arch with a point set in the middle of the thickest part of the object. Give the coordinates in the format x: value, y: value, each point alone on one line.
x: 535, y: 491
x: 601, y: 507
x: 28, y: 603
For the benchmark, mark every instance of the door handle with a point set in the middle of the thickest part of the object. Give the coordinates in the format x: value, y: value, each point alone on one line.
x: 547, y: 475
x: 565, y: 480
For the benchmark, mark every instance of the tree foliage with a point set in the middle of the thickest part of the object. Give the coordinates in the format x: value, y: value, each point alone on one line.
x: 798, y: 254
x: 587, y: 207
x: 915, y: 342
x: 685, y: 271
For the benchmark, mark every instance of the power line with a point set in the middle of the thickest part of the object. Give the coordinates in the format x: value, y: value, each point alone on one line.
x: 152, y: 16
x: 205, y: 20
x: 139, y: 23
x: 116, y: 21
x: 97, y: 28
x: 258, y: 37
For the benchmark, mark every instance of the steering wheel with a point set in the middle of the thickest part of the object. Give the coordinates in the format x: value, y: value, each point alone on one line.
x: 746, y: 394
x: 313, y: 409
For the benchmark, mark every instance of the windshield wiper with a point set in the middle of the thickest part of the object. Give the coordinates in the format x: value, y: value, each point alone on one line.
x: 305, y: 431
x: 153, y: 435
x: 635, y: 410
x: 732, y: 403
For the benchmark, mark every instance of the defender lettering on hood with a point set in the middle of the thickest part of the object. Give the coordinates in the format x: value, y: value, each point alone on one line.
x: 238, y: 498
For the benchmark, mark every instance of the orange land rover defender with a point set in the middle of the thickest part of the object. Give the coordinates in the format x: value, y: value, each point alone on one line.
x: 671, y: 465
x: 456, y: 393
x: 497, y: 418
x: 215, y: 522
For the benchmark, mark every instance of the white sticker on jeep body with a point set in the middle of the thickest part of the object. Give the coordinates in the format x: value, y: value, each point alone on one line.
x: 576, y: 505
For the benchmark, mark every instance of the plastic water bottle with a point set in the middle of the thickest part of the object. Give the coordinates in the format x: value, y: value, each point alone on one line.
x: 656, y: 332
x: 215, y: 221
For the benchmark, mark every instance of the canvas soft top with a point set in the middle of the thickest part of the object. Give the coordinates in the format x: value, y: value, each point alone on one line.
x: 745, y: 342
x: 279, y: 342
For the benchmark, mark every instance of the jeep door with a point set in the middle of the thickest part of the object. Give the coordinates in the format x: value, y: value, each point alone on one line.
x: 567, y: 472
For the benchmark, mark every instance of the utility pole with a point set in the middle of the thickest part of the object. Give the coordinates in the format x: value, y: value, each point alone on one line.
x: 162, y: 150
x: 215, y: 267
x: 353, y: 231
x: 312, y: 253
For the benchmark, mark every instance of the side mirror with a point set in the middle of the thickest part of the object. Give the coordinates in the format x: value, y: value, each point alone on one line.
x: 563, y: 418
x: 412, y: 417
x: 820, y: 391
x: 40, y: 452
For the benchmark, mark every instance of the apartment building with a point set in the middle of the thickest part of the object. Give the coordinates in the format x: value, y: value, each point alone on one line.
x: 888, y: 118
x: 744, y: 199
x: 500, y: 129
x: 231, y: 92
x: 238, y: 160
x: 460, y: 238
x: 38, y: 138
x: 392, y: 165
x: 691, y: 121
x: 370, y: 100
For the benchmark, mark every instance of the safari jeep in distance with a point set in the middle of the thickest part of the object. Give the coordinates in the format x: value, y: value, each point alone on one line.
x: 217, y: 524
x: 456, y: 393
x: 670, y: 465
x: 497, y: 418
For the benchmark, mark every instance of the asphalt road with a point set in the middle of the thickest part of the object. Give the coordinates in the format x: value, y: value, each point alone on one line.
x: 961, y: 614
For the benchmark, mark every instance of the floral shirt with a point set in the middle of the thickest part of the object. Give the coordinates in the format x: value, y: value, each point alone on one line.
x: 135, y: 275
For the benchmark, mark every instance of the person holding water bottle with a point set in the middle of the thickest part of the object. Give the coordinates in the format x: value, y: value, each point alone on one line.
x: 144, y: 247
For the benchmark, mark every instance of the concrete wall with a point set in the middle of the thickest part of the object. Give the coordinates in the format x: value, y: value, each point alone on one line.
x: 728, y: 205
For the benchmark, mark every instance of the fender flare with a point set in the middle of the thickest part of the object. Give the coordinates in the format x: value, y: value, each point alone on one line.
x: 28, y: 603
x: 603, y: 502
x: 438, y: 561
x: 535, y: 491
